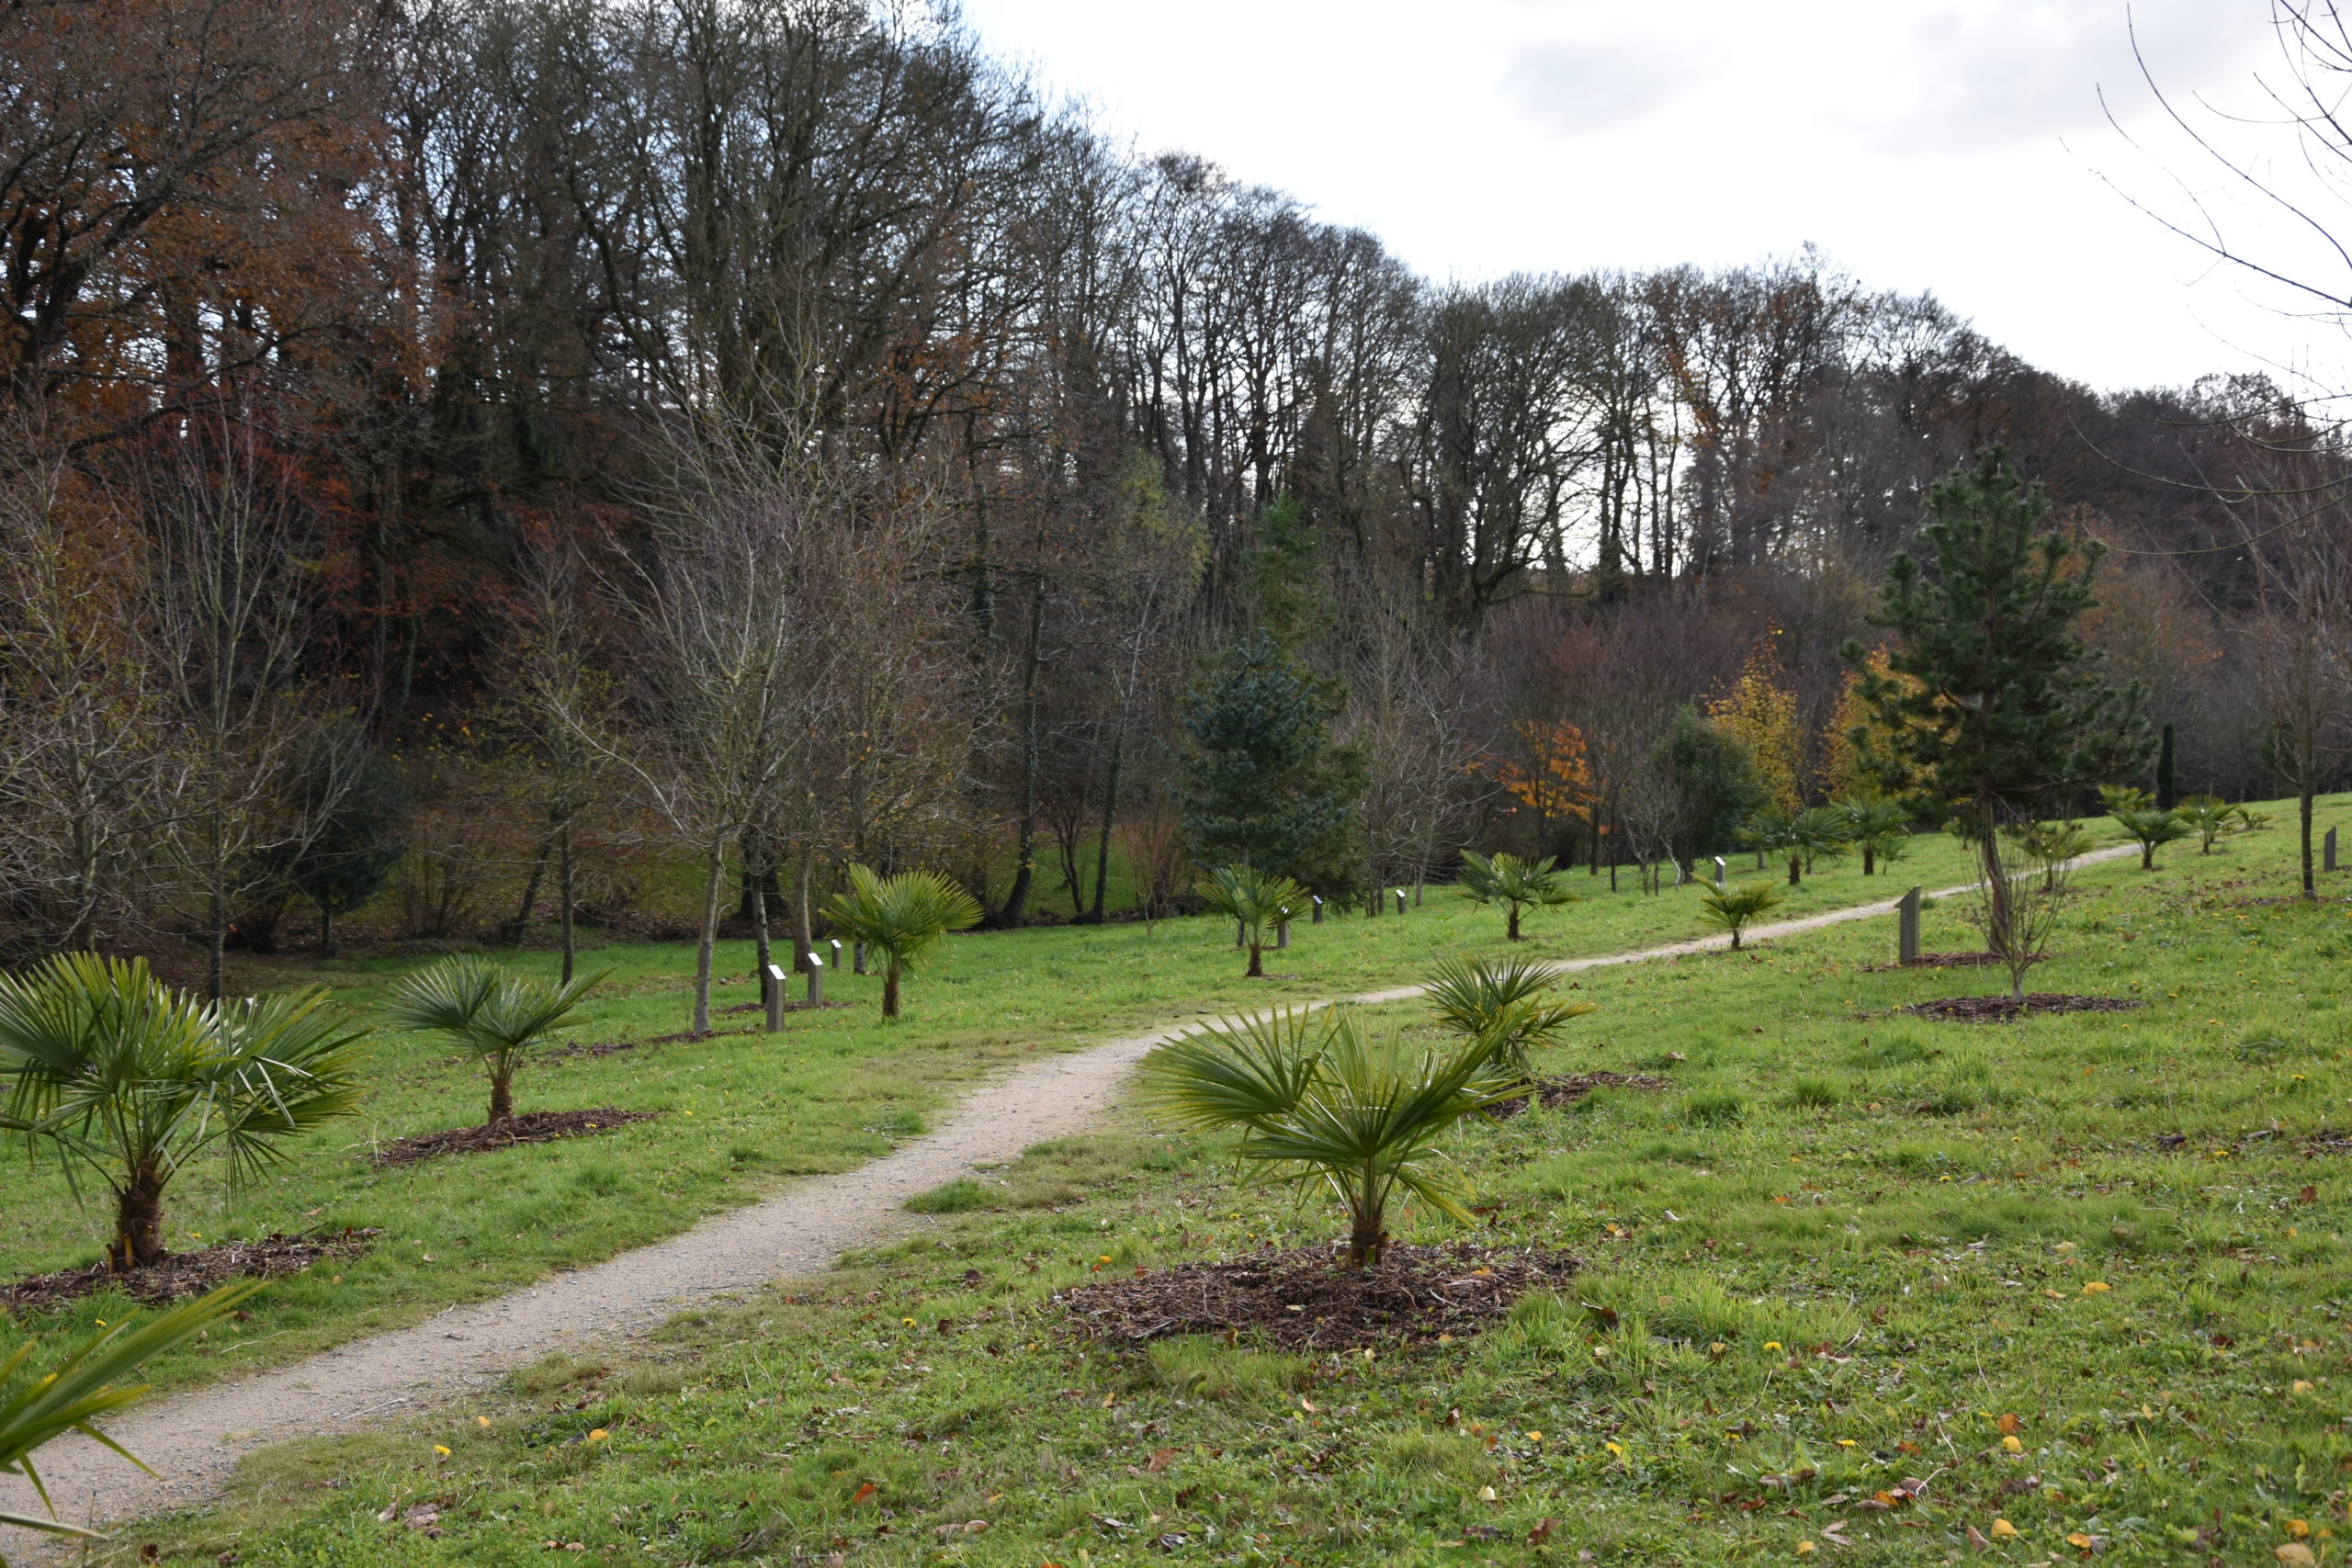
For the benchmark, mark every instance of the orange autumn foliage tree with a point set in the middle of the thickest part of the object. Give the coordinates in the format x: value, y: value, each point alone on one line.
x: 1556, y: 782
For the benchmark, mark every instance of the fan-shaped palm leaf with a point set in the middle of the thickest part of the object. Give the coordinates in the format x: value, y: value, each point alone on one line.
x: 488, y: 1012
x: 1509, y: 1003
x: 1254, y: 899
x: 1513, y: 882
x: 128, y: 1079
x: 1319, y: 1106
x: 87, y: 1384
x: 901, y: 916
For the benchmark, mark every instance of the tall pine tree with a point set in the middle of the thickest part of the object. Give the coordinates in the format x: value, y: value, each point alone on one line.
x: 1988, y: 697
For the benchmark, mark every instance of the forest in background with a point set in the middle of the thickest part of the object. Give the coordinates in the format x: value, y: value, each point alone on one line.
x: 462, y: 466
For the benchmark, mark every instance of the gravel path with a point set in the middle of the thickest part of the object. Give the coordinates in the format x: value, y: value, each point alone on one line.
x: 193, y: 1439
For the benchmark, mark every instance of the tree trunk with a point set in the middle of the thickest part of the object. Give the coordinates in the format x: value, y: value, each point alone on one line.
x: 1257, y: 960
x: 714, y: 866
x: 326, y: 930
x: 2303, y: 809
x: 501, y: 1095
x: 804, y: 934
x: 2148, y: 855
x: 761, y: 955
x: 1110, y: 811
x: 891, y: 988
x: 1513, y: 924
x: 1024, y: 870
x: 1796, y: 868
x: 216, y: 941
x: 1870, y: 859
x: 138, y: 1220
x: 1734, y: 939
x: 530, y: 893
x: 563, y: 888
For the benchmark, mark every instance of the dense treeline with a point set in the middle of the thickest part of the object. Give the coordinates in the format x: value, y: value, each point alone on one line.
x: 491, y: 446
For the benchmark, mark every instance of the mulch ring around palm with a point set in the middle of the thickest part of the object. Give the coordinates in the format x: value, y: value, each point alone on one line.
x: 1557, y: 1092
x: 186, y: 1273
x: 532, y: 1127
x: 1308, y: 1299
x: 2001, y: 1010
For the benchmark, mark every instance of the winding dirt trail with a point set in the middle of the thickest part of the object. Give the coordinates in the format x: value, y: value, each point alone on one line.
x: 193, y: 1439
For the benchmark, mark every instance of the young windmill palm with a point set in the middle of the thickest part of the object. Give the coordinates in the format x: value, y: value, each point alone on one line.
x: 1513, y: 882
x: 1319, y: 1107
x: 1507, y: 1004
x: 902, y: 918
x: 2209, y: 816
x: 126, y: 1079
x: 1256, y: 899
x: 489, y: 1013
x: 1878, y: 826
x: 1730, y: 908
x: 88, y: 1383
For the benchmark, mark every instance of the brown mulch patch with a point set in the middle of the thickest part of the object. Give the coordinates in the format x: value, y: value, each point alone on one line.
x: 532, y: 1127
x: 615, y: 1047
x: 1557, y: 1092
x: 186, y: 1273
x: 1934, y: 961
x: 789, y: 1006
x: 1981, y: 1009
x: 1308, y: 1299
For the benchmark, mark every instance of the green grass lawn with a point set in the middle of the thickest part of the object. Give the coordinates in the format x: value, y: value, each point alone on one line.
x: 2082, y: 1276
x: 745, y: 1110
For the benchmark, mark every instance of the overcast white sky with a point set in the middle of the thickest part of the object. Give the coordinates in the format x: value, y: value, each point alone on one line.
x: 1956, y: 147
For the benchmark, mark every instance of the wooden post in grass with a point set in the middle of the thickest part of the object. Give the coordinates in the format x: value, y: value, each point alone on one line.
x: 816, y: 979
x: 835, y: 943
x: 1282, y: 931
x: 1317, y: 918
x: 1400, y: 899
x: 1720, y: 872
x: 1907, y: 928
x: 772, y: 983
x: 857, y: 957
x: 2328, y: 848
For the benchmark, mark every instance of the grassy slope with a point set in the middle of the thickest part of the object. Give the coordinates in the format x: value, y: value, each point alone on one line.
x: 1890, y: 1240
x: 750, y: 1110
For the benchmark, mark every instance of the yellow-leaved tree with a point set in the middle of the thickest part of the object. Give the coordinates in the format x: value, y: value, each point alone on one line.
x: 1763, y: 715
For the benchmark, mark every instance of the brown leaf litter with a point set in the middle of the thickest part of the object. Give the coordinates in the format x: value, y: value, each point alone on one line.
x: 532, y: 1127
x: 1308, y: 1299
x: 182, y: 1274
x: 1983, y: 1009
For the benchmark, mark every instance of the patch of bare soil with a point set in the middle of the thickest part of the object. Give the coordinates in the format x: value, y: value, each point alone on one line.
x: 532, y: 1127
x: 186, y: 1273
x: 1988, y: 1009
x: 1934, y: 961
x: 1556, y: 1093
x: 1308, y: 1299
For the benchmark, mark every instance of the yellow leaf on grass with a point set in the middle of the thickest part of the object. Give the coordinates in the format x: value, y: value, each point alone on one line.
x: 2014, y: 1445
x: 2294, y: 1554
x: 2004, y: 1530
x: 2097, y: 1287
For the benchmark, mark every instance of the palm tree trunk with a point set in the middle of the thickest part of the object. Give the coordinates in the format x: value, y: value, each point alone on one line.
x: 1514, y: 924
x: 1257, y: 960
x: 1796, y: 868
x: 501, y: 1095
x: 1870, y: 859
x: 890, y: 988
x: 138, y: 1220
